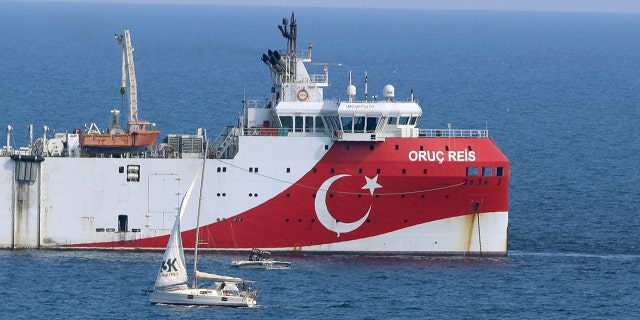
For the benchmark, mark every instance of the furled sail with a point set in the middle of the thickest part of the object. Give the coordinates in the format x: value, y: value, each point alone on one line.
x: 211, y: 276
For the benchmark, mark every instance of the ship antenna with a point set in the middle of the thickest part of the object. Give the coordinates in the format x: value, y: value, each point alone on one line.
x: 291, y: 35
x: 294, y: 33
x: 366, y: 89
x: 349, y: 93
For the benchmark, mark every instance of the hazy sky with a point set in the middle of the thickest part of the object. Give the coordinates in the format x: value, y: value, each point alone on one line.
x: 622, y: 6
x: 630, y: 6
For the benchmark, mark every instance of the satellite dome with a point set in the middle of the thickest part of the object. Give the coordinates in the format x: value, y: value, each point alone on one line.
x: 351, y: 91
x: 389, y: 92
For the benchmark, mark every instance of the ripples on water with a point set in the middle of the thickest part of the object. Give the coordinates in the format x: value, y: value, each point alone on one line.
x: 558, y: 92
x: 524, y: 285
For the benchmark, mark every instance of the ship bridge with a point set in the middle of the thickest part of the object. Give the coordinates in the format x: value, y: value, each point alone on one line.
x: 343, y: 121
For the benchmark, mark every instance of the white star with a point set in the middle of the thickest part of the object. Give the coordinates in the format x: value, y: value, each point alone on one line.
x: 372, y: 184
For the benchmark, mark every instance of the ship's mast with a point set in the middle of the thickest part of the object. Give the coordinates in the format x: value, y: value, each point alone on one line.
x: 194, y: 283
x: 128, y: 74
x: 291, y: 35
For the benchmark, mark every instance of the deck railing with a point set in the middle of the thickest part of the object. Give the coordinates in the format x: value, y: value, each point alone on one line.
x: 453, y: 133
x: 424, y: 133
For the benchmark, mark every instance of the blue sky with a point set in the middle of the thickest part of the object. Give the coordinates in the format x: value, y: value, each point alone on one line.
x: 622, y: 6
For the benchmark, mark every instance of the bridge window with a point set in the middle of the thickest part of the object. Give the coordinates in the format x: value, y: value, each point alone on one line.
x: 403, y: 121
x: 299, y: 123
x: 286, y: 121
x: 372, y: 123
x: 414, y: 120
x: 347, y: 124
x: 319, y: 124
x: 392, y: 120
x: 358, y: 125
x: 308, y: 124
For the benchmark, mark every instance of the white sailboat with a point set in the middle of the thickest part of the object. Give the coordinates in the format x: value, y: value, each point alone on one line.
x: 171, y: 287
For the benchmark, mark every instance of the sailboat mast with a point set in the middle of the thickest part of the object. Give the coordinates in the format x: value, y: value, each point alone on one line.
x: 194, y: 282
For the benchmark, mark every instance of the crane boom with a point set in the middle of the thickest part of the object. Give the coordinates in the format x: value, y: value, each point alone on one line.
x: 129, y: 74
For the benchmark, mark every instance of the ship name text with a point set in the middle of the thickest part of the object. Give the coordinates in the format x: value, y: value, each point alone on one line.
x: 442, y: 156
x: 360, y: 106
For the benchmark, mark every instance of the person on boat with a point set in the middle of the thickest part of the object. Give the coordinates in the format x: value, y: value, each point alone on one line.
x: 256, y: 255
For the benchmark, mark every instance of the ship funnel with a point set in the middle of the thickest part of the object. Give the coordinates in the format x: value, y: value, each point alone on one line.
x: 278, y: 58
x: 265, y: 59
x: 275, y: 63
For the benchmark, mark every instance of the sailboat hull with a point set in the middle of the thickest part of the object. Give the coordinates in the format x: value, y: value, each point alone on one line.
x: 203, y: 297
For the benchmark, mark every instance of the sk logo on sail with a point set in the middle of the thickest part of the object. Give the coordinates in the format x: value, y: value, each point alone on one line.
x: 169, y: 264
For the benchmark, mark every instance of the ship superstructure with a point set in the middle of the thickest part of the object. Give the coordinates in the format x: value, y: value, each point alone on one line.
x: 299, y: 172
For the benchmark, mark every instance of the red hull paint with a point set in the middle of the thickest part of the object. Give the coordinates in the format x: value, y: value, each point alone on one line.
x: 411, y: 193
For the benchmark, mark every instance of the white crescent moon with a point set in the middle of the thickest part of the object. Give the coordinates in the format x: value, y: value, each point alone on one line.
x: 325, y: 217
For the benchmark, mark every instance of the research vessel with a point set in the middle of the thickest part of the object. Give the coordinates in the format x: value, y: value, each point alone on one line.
x: 295, y: 173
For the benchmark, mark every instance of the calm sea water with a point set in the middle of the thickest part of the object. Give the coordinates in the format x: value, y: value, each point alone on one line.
x: 559, y: 93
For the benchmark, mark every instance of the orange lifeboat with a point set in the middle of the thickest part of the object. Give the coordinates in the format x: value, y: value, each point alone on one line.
x: 140, y: 136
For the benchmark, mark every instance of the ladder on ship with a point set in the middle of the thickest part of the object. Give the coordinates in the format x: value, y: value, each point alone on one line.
x: 225, y: 141
x: 381, y: 124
